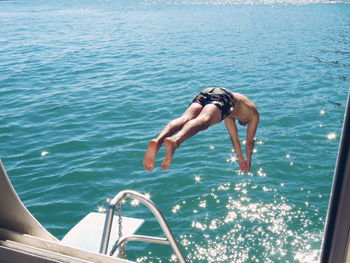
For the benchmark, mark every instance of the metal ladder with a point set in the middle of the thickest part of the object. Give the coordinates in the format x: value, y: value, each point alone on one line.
x: 169, y: 240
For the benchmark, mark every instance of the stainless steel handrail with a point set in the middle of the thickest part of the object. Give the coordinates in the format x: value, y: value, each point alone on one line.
x: 156, y: 212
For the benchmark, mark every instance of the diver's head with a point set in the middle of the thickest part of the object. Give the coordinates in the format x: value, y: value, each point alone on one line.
x: 243, y: 123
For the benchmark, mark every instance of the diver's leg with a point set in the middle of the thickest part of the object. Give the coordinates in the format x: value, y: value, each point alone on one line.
x: 209, y: 116
x: 171, y: 128
x: 175, y: 125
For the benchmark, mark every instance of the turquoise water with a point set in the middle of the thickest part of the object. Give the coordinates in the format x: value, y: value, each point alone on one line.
x: 84, y: 85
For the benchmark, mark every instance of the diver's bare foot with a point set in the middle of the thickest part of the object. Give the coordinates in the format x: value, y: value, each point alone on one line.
x: 150, y: 155
x: 170, y: 147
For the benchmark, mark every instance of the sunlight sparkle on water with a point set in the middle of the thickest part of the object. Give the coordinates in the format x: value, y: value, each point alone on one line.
x: 176, y: 208
x: 199, y: 225
x: 203, y: 204
x: 197, y: 178
x: 101, y: 209
x: 224, y: 187
x: 306, y: 257
x: 241, y: 210
x: 135, y: 202
x: 331, y: 136
x: 261, y: 172
x: 322, y: 112
x: 213, y: 224
x: 232, y: 159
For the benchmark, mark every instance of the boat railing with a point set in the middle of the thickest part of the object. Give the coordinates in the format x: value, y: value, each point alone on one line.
x: 169, y: 237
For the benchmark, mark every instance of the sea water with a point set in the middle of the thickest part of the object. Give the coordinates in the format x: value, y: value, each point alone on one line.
x: 84, y: 85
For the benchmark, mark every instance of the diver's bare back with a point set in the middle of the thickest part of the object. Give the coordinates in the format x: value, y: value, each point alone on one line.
x: 244, y: 109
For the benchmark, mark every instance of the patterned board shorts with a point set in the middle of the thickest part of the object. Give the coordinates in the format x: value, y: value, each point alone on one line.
x: 220, y: 97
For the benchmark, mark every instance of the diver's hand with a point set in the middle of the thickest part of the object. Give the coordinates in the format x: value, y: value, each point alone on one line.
x: 248, y: 164
x: 243, y: 165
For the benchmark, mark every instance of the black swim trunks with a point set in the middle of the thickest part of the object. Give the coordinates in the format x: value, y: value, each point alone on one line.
x: 220, y: 97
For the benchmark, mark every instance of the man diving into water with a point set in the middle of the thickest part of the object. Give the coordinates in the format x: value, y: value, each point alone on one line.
x: 209, y: 107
